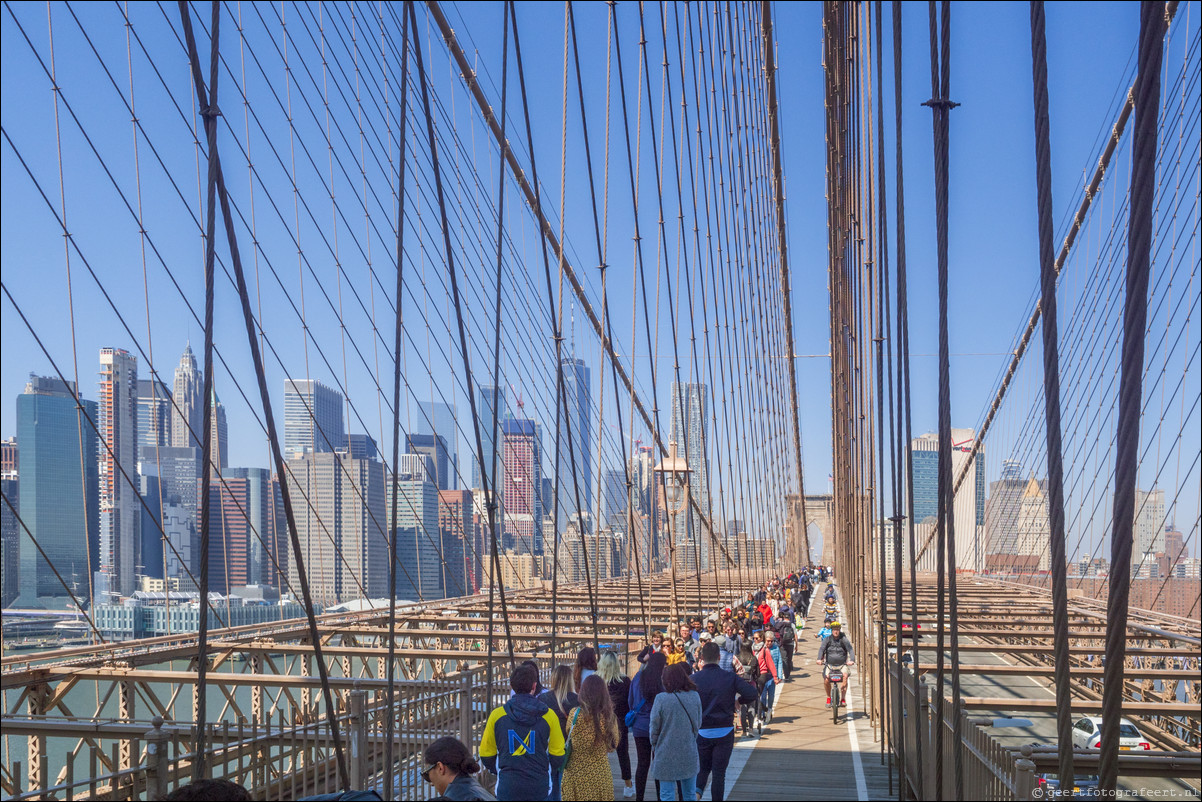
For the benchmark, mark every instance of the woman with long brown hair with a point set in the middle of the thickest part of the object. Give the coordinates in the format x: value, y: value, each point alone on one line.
x: 592, y: 735
x: 586, y: 665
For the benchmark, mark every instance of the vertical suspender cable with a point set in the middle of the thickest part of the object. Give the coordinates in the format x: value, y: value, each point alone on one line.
x: 209, y: 112
x: 785, y: 288
x: 1051, y: 392
x: 903, y: 394
x: 601, y: 264
x: 883, y: 387
x: 940, y: 106
x: 497, y: 579
x: 1126, y: 470
x: 390, y: 718
x: 896, y: 730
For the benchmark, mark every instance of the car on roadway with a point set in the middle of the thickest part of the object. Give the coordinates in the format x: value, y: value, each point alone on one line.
x: 1087, y: 734
x: 1085, y: 786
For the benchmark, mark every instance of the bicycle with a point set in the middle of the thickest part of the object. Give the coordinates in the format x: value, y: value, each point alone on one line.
x: 836, y: 675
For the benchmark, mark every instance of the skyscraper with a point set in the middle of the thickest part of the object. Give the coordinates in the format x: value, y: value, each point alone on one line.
x: 434, y: 447
x: 1002, y: 510
x: 489, y: 397
x: 1148, y: 532
x: 522, y: 488
x: 436, y: 418
x: 1034, y: 526
x: 689, y: 405
x: 420, y: 551
x: 312, y: 418
x: 219, y: 435
x: 154, y: 414
x: 176, y: 478
x: 362, y: 446
x: 968, y: 504
x: 646, y: 532
x: 340, y: 526
x: 244, y: 546
x: 461, y: 563
x: 188, y: 395
x: 613, y: 497
x: 574, y: 459
x: 58, y: 491
x: 120, y: 508
x: 10, y: 530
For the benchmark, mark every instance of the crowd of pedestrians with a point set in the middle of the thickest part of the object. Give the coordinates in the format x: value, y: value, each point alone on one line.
x: 697, y: 688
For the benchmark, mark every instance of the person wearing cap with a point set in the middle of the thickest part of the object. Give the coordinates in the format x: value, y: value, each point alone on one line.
x: 836, y: 651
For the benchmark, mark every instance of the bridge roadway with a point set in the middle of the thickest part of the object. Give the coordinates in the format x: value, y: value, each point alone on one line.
x: 1006, y: 673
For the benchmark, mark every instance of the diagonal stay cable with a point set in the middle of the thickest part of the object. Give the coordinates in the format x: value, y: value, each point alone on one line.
x: 467, y: 367
x: 277, y: 453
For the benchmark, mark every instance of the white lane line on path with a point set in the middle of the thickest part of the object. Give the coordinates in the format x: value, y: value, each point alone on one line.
x: 856, y: 763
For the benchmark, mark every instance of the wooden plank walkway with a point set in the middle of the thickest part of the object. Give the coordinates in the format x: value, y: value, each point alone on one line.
x: 802, y: 754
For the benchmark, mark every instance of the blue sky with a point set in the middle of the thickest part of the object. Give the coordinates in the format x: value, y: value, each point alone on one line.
x: 994, y: 271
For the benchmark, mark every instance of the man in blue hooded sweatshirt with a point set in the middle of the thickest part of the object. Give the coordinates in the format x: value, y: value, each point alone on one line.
x: 522, y: 741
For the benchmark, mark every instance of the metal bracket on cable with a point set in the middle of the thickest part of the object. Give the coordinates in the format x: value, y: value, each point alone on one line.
x: 940, y: 103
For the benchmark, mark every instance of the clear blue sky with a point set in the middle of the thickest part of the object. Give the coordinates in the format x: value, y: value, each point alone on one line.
x: 994, y: 272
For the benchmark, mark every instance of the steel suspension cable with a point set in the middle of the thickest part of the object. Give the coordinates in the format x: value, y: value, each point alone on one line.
x: 209, y: 112
x: 231, y: 236
x: 1051, y: 381
x: 390, y: 660
x: 1139, y: 245
x: 903, y: 393
x: 489, y: 490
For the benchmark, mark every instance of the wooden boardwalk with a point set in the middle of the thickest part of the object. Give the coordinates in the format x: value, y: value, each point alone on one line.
x: 802, y: 754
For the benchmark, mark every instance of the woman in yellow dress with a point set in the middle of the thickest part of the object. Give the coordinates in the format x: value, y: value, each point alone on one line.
x: 592, y: 734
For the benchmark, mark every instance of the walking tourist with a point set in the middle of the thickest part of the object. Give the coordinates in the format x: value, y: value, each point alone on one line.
x: 644, y: 688
x: 719, y: 692
x: 593, y: 733
x: 610, y: 670
x: 675, y: 721
x: 523, y: 741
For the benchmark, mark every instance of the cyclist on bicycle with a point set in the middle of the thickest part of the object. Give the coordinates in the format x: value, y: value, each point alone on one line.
x: 835, y: 652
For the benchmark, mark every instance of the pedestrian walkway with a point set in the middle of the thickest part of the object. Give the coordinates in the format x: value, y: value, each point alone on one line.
x: 802, y: 753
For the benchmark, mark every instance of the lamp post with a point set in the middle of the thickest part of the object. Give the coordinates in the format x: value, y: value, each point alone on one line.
x: 674, y: 482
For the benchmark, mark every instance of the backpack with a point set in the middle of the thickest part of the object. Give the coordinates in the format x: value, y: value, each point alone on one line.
x: 748, y: 658
x: 787, y: 636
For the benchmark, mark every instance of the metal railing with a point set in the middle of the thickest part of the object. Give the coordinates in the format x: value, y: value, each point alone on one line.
x: 993, y: 771
x: 273, y: 760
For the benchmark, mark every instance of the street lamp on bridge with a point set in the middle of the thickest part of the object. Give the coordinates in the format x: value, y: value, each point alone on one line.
x: 674, y: 480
